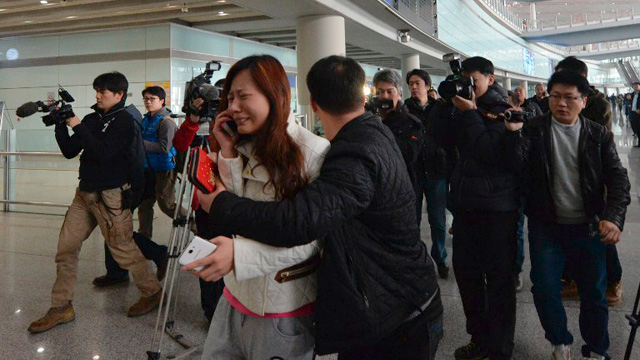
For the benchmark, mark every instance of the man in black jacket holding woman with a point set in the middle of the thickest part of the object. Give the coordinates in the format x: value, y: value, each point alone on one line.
x: 378, y: 296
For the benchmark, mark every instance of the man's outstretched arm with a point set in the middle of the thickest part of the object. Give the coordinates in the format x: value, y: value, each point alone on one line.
x: 345, y: 187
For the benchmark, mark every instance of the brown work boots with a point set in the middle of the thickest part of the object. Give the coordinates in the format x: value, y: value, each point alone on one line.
x: 64, y: 314
x: 145, y: 305
x: 55, y: 316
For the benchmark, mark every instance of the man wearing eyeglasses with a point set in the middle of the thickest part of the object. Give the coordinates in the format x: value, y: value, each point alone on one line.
x: 577, y: 195
x: 158, y: 130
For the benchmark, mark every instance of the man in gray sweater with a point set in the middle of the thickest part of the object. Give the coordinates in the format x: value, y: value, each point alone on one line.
x: 577, y: 195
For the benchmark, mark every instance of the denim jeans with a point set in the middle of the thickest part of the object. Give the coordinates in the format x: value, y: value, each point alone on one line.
x: 579, y: 245
x: 435, y: 191
x: 520, y: 238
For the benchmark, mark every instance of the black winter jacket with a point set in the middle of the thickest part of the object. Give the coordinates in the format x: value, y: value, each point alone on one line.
x: 604, y: 181
x: 105, y: 141
x: 375, y: 270
x: 542, y: 103
x: 440, y: 155
x: 532, y: 108
x: 408, y: 132
x: 481, y: 180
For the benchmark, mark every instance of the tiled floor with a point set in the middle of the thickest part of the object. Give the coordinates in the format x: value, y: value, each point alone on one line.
x: 102, y: 330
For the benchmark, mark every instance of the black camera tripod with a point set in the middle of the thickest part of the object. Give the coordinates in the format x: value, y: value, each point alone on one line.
x: 634, y: 321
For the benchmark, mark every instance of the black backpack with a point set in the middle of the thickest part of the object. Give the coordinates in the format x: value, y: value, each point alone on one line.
x: 136, y: 157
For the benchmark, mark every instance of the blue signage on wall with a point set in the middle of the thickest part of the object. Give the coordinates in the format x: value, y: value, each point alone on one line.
x: 528, y: 61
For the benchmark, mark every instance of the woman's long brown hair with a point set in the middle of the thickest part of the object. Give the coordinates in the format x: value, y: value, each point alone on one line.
x: 274, y: 148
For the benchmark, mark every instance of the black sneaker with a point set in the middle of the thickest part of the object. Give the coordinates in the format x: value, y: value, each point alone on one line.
x: 470, y: 351
x: 443, y: 271
x: 105, y: 280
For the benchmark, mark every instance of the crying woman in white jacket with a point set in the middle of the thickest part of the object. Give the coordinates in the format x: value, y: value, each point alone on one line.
x: 268, y: 303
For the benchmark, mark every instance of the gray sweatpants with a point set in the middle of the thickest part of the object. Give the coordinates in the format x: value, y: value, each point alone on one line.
x: 235, y: 336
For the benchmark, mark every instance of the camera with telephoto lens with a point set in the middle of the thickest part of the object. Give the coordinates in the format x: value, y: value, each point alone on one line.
x: 375, y: 105
x: 200, y: 87
x: 456, y: 84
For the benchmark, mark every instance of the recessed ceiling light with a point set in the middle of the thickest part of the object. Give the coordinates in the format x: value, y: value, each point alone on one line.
x: 44, y: 2
x: 222, y: 1
x: 222, y: 13
x: 1, y: 10
x: 97, y: 357
x: 28, y: 21
x: 72, y: 17
x: 41, y: 350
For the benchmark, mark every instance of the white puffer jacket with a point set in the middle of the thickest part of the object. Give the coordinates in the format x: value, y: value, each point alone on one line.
x: 252, y: 281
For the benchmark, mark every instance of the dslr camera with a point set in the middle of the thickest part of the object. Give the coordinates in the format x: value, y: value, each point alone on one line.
x: 375, y: 105
x: 200, y: 88
x: 59, y: 110
x: 455, y: 84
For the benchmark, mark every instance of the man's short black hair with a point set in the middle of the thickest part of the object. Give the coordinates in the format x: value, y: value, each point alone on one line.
x: 422, y: 74
x: 219, y: 83
x: 569, y: 78
x: 635, y: 83
x: 156, y: 91
x: 478, y: 63
x: 336, y: 84
x: 572, y: 63
x: 113, y: 81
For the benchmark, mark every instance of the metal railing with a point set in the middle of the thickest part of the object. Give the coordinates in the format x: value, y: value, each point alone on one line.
x: 563, y: 21
x: 501, y: 10
x: 6, y: 157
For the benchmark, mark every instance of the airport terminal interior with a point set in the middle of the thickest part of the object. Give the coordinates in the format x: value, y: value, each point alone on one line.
x: 45, y: 45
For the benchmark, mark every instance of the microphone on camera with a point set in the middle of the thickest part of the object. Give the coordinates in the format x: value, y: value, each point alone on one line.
x: 27, y: 109
x: 209, y: 92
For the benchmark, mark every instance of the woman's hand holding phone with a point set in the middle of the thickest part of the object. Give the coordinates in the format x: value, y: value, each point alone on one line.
x: 227, y: 142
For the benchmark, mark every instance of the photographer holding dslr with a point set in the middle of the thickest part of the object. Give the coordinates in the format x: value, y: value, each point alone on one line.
x: 406, y: 128
x: 485, y: 199
x: 105, y: 139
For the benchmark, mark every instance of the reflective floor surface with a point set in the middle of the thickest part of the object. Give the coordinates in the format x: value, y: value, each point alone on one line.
x: 102, y: 330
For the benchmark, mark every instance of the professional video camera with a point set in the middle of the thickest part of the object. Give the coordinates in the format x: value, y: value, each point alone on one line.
x: 58, y: 110
x: 375, y: 105
x: 200, y: 88
x: 455, y: 84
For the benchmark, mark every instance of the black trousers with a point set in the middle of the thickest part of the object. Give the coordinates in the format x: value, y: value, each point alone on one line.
x: 484, y: 254
x: 148, y: 248
x: 416, y: 339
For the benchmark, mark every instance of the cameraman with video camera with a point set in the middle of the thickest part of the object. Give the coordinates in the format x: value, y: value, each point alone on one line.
x: 103, y: 198
x: 485, y: 198
x: 406, y: 128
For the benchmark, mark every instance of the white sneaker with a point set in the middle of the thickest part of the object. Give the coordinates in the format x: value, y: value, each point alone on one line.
x: 594, y: 356
x: 561, y: 352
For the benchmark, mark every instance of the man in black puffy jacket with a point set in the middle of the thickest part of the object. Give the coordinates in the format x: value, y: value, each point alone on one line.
x: 378, y: 296
x: 577, y: 196
x: 405, y: 127
x: 485, y: 200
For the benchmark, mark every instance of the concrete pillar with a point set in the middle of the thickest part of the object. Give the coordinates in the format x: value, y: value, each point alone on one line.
x: 605, y: 91
x: 317, y: 37
x: 409, y: 62
x: 507, y: 83
x: 525, y: 86
x: 533, y: 16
